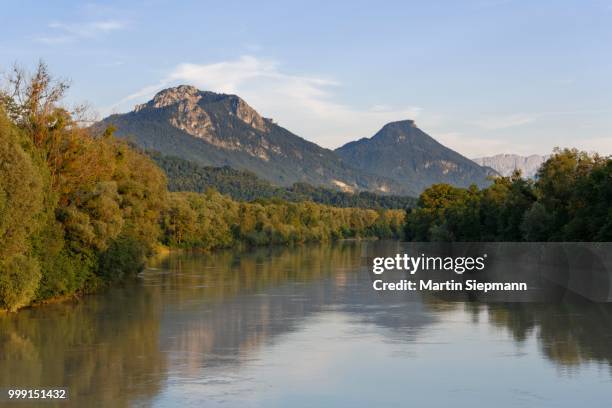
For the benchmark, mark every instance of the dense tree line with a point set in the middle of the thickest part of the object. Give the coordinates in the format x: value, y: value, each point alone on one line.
x: 242, y: 185
x: 75, y: 211
x: 570, y: 200
x: 78, y: 211
x: 212, y: 220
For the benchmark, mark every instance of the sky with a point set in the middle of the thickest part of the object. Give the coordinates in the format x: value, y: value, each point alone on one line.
x: 481, y: 76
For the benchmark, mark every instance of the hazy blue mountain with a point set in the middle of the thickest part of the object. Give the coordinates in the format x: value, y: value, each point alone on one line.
x: 505, y: 164
x: 403, y: 152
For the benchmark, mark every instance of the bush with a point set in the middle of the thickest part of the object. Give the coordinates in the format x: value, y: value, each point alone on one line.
x: 19, y: 279
x: 124, y: 258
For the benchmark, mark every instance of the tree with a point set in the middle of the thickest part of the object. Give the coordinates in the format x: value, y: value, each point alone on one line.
x: 21, y: 203
x: 568, y: 202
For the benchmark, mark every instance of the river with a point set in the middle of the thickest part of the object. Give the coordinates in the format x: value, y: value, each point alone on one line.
x: 302, y: 327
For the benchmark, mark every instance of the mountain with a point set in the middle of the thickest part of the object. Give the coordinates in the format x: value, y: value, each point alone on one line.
x: 223, y: 130
x: 406, y: 154
x: 242, y: 185
x: 505, y: 164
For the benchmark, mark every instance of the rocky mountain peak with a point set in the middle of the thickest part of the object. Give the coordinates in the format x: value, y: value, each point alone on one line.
x: 398, y: 131
x: 191, y: 103
x: 400, y: 124
x: 182, y: 93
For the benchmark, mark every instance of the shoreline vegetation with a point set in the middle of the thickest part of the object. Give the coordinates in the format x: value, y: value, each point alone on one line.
x: 80, y: 211
x: 569, y: 200
x: 243, y: 185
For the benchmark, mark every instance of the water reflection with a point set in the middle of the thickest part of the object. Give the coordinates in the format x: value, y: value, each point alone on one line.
x: 105, y: 350
x: 301, y: 327
x: 245, y: 301
x: 570, y: 333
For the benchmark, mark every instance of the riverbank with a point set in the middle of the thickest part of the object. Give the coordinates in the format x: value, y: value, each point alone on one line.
x: 81, y: 210
x: 161, y: 253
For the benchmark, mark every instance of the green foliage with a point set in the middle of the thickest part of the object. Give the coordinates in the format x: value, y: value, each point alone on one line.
x: 19, y: 278
x: 21, y: 202
x: 124, y: 258
x: 241, y: 185
x: 142, y: 194
x: 21, y: 192
x: 569, y: 201
x: 76, y: 211
x: 93, y: 220
x: 537, y: 224
x: 212, y: 220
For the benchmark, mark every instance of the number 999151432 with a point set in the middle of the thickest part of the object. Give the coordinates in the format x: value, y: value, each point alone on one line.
x: 34, y: 394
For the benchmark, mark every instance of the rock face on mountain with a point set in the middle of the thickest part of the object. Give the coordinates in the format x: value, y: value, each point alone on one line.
x: 223, y: 130
x: 403, y: 152
x: 505, y: 164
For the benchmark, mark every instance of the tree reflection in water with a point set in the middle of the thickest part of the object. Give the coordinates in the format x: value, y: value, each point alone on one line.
x: 105, y: 349
x: 193, y: 317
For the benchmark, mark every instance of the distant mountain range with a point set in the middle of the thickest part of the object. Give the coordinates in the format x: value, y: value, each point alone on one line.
x: 505, y: 164
x: 219, y: 130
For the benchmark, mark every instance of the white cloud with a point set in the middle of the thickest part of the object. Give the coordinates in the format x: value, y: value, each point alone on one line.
x: 310, y: 106
x: 307, y: 105
x: 108, y: 25
x: 68, y: 32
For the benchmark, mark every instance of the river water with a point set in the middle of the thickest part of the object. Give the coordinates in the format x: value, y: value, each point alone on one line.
x: 302, y: 327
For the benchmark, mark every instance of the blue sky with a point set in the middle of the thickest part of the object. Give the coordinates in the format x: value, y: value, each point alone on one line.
x: 481, y: 76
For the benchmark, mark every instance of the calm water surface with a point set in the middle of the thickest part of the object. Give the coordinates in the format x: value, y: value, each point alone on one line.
x: 302, y: 327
